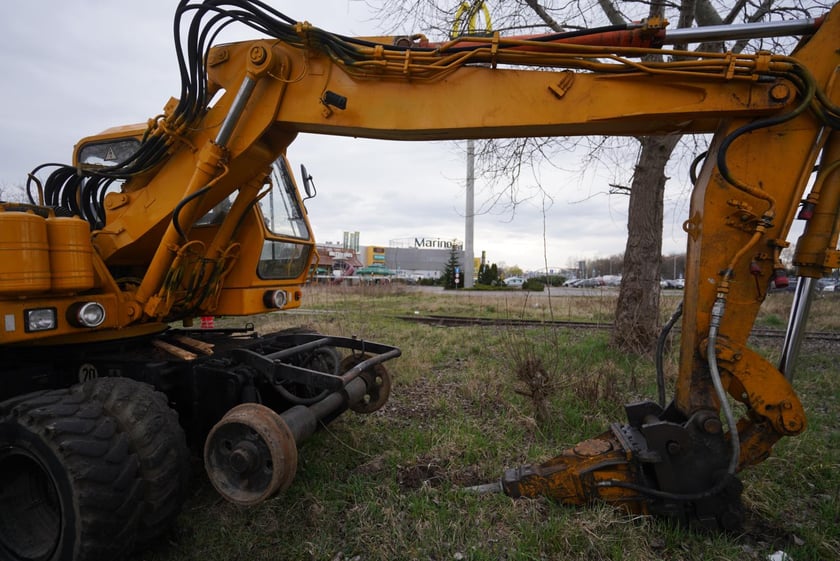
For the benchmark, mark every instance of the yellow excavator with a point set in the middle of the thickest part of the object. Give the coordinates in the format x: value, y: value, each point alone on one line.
x: 196, y: 213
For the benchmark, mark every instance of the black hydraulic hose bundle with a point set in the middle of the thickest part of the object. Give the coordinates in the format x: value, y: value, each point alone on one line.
x: 78, y: 194
x: 82, y: 191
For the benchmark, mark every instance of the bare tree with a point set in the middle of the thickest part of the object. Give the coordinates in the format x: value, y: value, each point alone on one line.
x: 501, y: 161
x: 637, y: 309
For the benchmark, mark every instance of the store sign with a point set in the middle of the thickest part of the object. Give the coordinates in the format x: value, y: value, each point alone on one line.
x: 436, y: 243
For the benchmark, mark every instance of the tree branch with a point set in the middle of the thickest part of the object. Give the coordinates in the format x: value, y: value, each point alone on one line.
x: 611, y: 12
x: 544, y: 15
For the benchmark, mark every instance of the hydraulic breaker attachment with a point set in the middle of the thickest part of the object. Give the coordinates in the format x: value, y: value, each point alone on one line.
x: 658, y: 464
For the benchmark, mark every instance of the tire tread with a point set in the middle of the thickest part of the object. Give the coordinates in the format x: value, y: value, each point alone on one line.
x: 102, y: 472
x: 155, y: 436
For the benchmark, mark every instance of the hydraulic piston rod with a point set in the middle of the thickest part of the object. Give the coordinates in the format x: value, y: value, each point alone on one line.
x: 742, y: 31
x: 799, y: 310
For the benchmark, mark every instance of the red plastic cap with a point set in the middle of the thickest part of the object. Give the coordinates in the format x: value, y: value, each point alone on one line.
x: 780, y: 279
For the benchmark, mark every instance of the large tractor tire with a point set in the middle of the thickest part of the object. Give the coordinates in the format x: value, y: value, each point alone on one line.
x: 69, y: 485
x: 157, y: 439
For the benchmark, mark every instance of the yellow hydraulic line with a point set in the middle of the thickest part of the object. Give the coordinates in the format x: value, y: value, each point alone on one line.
x: 207, y: 168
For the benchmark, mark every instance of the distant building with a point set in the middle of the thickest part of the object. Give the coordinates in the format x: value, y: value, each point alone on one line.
x: 413, y: 263
x: 375, y: 255
x: 420, y: 257
x: 334, y: 260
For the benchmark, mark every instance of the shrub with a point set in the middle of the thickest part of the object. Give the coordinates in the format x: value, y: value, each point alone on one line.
x: 533, y: 285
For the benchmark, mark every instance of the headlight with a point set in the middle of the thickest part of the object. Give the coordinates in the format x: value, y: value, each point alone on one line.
x: 274, y: 299
x: 40, y: 319
x: 86, y: 314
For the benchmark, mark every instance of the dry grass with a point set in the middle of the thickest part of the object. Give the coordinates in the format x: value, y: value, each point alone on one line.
x: 825, y: 312
x: 585, y: 305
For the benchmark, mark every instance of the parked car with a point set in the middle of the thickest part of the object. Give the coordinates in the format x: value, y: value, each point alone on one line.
x: 672, y: 283
x: 824, y: 283
x: 591, y: 282
x: 612, y: 280
x: 832, y: 287
x: 514, y: 282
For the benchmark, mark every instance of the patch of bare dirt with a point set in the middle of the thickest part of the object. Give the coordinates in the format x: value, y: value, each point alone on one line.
x: 420, y: 475
x: 437, y: 472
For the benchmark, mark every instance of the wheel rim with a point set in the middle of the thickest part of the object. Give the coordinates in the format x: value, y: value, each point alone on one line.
x: 250, y: 454
x: 30, y: 511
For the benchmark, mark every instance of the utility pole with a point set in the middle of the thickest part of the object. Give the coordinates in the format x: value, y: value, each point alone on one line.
x: 469, y: 225
x: 466, y: 19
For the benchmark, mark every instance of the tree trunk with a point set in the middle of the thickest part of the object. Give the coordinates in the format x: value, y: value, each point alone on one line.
x: 637, y: 309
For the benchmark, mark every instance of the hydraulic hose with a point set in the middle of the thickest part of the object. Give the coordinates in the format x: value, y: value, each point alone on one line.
x: 711, y: 354
x: 660, y: 352
x: 798, y: 75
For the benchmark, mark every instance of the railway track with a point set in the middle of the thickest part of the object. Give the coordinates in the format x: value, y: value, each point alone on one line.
x: 458, y: 321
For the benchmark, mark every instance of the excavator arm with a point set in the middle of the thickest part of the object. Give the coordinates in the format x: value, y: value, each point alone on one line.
x: 774, y: 120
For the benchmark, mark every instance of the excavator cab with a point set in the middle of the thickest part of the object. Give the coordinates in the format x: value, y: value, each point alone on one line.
x: 285, y: 252
x: 258, y: 235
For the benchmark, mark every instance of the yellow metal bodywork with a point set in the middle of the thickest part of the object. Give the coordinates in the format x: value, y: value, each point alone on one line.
x: 146, y: 265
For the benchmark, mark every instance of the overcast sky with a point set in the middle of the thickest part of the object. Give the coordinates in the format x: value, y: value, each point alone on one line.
x: 72, y: 69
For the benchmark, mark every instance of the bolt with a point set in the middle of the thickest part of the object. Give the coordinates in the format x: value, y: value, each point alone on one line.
x: 779, y: 92
x: 712, y: 426
x: 243, y: 458
x: 258, y: 55
x: 673, y: 448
